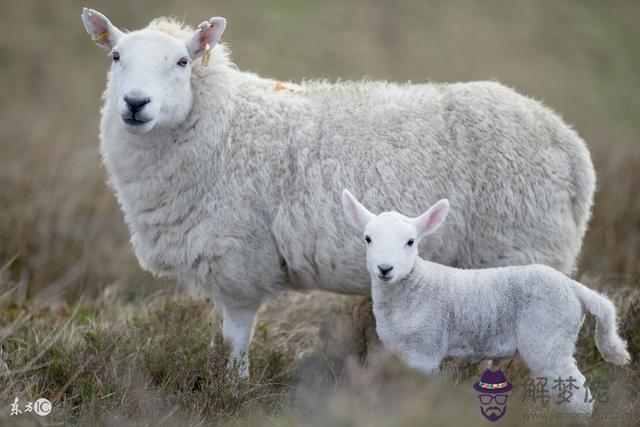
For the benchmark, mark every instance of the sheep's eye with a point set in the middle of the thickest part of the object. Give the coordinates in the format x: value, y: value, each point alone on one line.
x: 115, y: 56
x: 410, y: 242
x: 183, y: 62
x: 367, y: 239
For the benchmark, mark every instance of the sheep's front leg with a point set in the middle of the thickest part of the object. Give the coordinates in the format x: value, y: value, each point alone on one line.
x: 237, y: 328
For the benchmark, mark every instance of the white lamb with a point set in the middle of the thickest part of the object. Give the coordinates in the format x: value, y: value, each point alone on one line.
x: 426, y: 311
x: 227, y: 179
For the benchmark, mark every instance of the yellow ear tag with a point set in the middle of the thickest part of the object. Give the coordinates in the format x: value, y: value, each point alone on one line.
x: 102, y: 37
x: 206, y: 58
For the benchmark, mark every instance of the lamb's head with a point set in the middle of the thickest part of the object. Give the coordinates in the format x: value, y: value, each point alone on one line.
x: 392, y: 238
x: 150, y: 83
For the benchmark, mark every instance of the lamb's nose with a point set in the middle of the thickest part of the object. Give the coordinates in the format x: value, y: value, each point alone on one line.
x: 136, y: 104
x: 384, y: 268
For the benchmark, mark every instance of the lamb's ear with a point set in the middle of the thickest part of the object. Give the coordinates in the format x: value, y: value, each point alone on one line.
x: 429, y: 221
x: 101, y: 30
x: 208, y: 33
x: 357, y: 214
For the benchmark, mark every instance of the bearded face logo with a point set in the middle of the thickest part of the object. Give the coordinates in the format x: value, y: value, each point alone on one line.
x: 493, y: 407
x: 493, y: 389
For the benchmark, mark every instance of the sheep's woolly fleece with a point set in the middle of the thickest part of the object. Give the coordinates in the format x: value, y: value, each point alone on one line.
x: 242, y: 197
x: 232, y: 184
x: 171, y: 27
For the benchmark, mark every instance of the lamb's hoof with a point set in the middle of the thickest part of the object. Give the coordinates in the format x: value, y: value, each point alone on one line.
x: 239, y: 367
x: 243, y: 372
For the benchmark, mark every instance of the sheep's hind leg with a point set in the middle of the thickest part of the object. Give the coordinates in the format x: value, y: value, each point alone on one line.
x: 237, y: 328
x: 428, y: 365
x: 549, y: 354
x: 567, y: 388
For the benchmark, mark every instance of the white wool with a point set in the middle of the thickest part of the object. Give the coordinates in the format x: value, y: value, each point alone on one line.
x: 228, y: 180
x: 427, y: 311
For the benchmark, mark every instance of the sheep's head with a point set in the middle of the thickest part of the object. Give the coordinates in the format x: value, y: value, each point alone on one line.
x: 151, y: 70
x: 392, y: 238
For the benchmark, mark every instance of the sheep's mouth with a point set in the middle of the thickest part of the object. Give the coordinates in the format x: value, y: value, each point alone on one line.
x: 135, y: 122
x: 384, y: 278
x: 137, y: 125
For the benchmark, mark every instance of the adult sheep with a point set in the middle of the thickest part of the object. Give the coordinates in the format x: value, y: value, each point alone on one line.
x: 229, y: 181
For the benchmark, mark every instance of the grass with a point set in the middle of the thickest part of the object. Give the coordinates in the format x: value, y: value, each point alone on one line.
x: 162, y: 360
x: 83, y: 326
x: 156, y: 360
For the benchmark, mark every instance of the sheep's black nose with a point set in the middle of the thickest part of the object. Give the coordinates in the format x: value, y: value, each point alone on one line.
x: 384, y: 268
x: 136, y: 104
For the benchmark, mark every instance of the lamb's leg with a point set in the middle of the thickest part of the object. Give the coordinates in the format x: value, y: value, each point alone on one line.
x: 428, y: 365
x: 493, y: 364
x: 562, y: 377
x: 237, y: 328
x: 581, y: 402
x: 548, y: 350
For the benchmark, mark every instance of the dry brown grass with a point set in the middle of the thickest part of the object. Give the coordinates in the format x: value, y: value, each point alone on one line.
x: 151, y: 360
x: 580, y: 57
x: 61, y: 232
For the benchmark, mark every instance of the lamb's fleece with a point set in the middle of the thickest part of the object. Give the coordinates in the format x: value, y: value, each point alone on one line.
x: 438, y: 311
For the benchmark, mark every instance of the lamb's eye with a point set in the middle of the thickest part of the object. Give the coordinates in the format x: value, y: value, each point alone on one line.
x: 183, y: 61
x: 410, y: 242
x: 115, y: 55
x: 367, y: 239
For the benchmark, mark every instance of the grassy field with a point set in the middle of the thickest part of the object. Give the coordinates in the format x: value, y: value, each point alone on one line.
x: 85, y: 327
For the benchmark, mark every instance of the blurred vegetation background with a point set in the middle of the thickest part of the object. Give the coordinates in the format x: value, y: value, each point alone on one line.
x: 58, y: 220
x: 117, y: 357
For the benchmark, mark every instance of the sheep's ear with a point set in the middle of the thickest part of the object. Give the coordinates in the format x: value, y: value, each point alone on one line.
x: 357, y: 214
x: 101, y: 30
x: 429, y: 221
x: 207, y: 34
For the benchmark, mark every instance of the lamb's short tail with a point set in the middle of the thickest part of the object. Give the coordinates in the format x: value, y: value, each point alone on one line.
x: 612, y: 347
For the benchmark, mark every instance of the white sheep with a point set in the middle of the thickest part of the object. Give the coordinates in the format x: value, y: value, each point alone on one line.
x: 426, y: 311
x: 227, y: 179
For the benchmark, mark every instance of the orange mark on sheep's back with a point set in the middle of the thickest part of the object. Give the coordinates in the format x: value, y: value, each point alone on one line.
x: 280, y: 86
